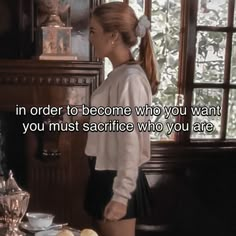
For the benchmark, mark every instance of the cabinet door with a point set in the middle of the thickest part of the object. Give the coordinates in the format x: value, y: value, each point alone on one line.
x: 57, y: 168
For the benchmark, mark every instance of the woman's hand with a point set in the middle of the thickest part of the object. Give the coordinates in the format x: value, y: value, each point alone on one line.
x: 114, y: 211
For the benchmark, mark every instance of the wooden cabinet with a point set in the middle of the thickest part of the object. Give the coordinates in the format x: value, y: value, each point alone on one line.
x: 56, y: 180
x: 51, y: 165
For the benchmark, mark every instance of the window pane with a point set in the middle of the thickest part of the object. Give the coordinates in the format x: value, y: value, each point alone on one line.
x: 210, y: 98
x: 231, y: 127
x: 210, y: 56
x: 234, y: 16
x: 212, y: 12
x: 113, y: 1
x: 79, y: 19
x: 165, y: 33
x: 107, y: 67
x: 138, y: 6
x: 233, y: 61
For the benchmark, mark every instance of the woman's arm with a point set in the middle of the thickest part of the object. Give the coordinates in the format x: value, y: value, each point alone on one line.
x: 133, y: 91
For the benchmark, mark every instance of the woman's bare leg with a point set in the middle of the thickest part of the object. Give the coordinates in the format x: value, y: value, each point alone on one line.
x: 116, y: 228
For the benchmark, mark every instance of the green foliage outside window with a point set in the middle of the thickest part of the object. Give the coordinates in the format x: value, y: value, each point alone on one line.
x: 209, y: 61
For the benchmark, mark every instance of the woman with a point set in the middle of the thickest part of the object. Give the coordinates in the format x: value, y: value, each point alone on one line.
x: 117, y: 190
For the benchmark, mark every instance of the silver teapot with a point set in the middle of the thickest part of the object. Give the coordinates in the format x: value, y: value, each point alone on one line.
x: 13, y: 206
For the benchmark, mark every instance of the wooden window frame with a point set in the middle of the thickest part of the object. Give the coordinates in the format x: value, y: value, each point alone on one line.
x: 168, y: 154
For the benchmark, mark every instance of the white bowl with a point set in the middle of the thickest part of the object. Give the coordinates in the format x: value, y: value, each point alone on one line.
x: 39, y: 220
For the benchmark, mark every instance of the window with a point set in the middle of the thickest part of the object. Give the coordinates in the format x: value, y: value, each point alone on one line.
x: 195, y: 46
x: 214, y: 66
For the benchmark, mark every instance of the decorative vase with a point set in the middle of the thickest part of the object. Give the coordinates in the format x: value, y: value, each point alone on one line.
x: 50, y: 8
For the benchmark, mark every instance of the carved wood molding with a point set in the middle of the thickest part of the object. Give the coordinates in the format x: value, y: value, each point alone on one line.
x: 46, y: 80
x: 18, y: 79
x: 51, y: 73
x: 177, y: 157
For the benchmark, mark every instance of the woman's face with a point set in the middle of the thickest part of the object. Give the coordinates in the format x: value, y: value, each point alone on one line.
x: 102, y: 41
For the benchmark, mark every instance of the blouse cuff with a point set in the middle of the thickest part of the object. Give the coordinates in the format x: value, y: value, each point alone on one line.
x: 120, y: 199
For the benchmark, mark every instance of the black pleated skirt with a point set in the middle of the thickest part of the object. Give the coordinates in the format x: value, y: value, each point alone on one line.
x: 99, y: 193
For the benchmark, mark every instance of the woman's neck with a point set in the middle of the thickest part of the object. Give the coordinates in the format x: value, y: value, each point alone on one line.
x: 120, y: 55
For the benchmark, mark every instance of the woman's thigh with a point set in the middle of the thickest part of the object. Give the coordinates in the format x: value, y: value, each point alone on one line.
x: 116, y: 228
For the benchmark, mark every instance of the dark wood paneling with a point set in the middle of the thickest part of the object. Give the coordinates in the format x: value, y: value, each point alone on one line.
x: 56, y: 182
x: 193, y: 190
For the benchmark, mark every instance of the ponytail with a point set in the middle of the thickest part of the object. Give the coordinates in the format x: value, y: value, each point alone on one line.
x: 148, y: 61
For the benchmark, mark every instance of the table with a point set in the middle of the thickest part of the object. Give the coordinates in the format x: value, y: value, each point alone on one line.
x: 3, y: 231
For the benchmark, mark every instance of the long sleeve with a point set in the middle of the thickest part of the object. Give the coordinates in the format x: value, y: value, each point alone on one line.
x: 132, y: 91
x: 124, y: 152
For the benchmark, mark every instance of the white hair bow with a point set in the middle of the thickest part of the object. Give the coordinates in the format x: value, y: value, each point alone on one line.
x: 142, y: 27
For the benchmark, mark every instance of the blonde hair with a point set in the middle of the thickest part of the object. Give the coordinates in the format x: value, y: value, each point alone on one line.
x: 119, y: 16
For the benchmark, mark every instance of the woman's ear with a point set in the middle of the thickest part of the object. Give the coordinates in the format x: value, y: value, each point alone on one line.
x: 115, y: 36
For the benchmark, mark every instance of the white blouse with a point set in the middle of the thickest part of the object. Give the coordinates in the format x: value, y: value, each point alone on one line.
x: 126, y: 85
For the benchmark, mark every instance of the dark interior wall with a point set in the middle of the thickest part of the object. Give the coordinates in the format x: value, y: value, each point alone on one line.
x: 197, y: 198
x: 16, y: 29
x: 9, y: 35
x: 13, y: 147
x: 3, y: 168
